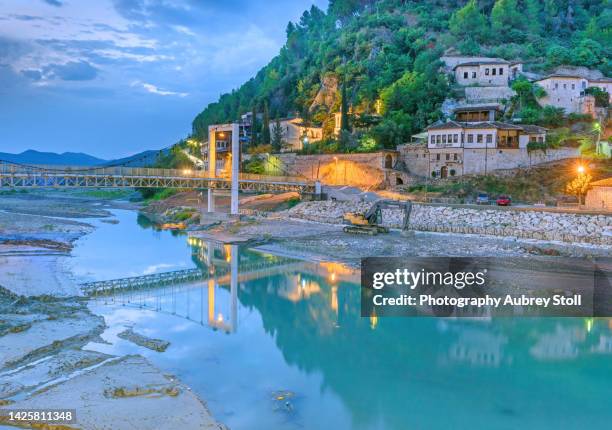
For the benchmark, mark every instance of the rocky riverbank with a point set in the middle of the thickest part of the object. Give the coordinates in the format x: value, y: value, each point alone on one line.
x: 524, y: 224
x: 47, y: 329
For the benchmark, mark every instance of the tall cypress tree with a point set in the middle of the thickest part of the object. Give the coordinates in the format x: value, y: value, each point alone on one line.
x: 254, y: 140
x: 265, y: 127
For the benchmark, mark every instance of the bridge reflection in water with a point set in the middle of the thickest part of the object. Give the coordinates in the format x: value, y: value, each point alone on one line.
x: 208, y: 295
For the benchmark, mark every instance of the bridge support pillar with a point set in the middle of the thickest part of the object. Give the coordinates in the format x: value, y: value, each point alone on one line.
x: 235, y: 168
x: 235, y: 260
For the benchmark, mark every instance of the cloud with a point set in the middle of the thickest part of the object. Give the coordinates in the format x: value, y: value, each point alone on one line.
x: 184, y: 30
x: 155, y: 90
x: 35, y: 75
x: 56, y: 3
x: 72, y: 71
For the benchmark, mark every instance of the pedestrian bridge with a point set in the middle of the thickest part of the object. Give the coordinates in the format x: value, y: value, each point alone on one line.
x: 14, y: 175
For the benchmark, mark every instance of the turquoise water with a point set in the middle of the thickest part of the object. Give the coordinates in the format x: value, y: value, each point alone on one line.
x: 281, y: 345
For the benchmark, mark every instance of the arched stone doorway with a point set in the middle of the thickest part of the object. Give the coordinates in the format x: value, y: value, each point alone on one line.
x: 399, y: 181
x: 388, y: 161
x: 444, y: 172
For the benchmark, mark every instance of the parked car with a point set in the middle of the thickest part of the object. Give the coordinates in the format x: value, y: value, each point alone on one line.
x: 504, y: 200
x: 482, y: 199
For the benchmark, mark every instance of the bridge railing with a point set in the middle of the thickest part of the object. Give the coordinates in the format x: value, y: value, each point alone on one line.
x: 7, y: 168
x: 11, y: 168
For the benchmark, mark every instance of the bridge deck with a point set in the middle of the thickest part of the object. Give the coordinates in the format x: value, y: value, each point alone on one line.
x: 21, y: 176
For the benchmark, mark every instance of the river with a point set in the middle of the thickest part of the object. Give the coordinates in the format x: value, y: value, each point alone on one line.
x: 284, y: 346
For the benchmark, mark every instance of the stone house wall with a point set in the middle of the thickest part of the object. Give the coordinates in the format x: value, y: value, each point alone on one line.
x: 487, y: 94
x: 599, y: 198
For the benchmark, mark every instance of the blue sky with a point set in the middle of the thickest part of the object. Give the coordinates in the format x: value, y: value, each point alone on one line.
x: 114, y: 77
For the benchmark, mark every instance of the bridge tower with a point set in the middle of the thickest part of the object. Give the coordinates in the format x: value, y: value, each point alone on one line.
x: 234, y: 130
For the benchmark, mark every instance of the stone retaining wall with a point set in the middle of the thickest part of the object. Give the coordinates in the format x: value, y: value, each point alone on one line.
x: 528, y: 224
x: 361, y: 170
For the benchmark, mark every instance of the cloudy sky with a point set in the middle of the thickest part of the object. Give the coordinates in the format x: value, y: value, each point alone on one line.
x: 114, y: 77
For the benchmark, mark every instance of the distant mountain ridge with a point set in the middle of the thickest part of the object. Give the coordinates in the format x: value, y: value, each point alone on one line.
x: 51, y: 158
x: 142, y: 159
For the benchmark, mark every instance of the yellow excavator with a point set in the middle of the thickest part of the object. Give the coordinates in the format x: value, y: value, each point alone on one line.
x: 370, y: 222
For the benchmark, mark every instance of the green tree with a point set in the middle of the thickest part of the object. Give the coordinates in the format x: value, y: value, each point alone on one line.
x: 469, y: 23
x: 579, y: 186
x: 265, y: 126
x: 254, y: 140
x: 527, y: 94
x: 277, y: 136
x: 552, y: 116
x: 533, y: 16
x: 505, y: 19
x: 602, y: 98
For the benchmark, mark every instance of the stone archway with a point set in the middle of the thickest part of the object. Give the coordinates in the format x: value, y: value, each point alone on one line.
x: 388, y: 161
x: 399, y: 181
x: 444, y: 172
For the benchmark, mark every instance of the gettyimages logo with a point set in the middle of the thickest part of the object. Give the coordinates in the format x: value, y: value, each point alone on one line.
x: 486, y: 287
x: 412, y: 280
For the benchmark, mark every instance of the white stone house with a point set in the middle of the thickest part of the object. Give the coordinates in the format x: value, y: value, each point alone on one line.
x: 489, y: 72
x: 599, y: 197
x: 296, y: 133
x: 568, y: 92
x: 457, y: 148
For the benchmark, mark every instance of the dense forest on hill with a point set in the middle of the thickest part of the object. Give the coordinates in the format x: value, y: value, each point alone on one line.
x: 382, y: 57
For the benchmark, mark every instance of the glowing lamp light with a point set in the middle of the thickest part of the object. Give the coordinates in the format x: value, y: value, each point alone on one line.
x: 581, y: 169
x: 186, y: 172
x: 373, y: 321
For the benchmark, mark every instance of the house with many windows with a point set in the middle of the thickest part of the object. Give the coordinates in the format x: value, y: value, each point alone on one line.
x: 486, y: 72
x: 567, y: 91
x: 457, y: 148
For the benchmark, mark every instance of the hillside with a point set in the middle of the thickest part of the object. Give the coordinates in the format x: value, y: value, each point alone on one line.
x: 384, y: 57
x: 65, y: 159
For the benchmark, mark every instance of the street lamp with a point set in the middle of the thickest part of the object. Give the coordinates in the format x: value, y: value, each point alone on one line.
x: 581, y: 169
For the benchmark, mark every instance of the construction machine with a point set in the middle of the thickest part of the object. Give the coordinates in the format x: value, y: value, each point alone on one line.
x: 370, y: 222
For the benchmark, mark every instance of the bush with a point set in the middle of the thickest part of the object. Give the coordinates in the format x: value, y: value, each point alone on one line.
x: 579, y: 117
x: 157, y: 193
x: 255, y: 166
x: 552, y: 116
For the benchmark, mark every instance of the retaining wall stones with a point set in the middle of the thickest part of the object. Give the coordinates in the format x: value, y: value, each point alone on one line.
x: 528, y: 224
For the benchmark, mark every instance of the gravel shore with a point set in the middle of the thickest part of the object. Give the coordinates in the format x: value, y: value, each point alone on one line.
x: 45, y: 326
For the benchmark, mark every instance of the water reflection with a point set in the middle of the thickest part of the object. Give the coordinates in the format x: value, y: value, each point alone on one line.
x: 277, y: 325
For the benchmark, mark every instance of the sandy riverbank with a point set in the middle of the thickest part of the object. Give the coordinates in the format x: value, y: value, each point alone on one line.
x: 305, y: 239
x: 45, y: 327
